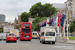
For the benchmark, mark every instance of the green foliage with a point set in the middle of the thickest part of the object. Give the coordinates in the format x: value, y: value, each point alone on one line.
x: 1, y: 29
x: 42, y: 10
x: 36, y: 27
x: 35, y: 23
x: 25, y: 16
x: 71, y: 38
x: 72, y: 26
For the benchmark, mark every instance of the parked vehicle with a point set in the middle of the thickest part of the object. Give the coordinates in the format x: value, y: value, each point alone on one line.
x: 3, y: 36
x: 48, y: 34
x: 16, y: 32
x: 11, y: 37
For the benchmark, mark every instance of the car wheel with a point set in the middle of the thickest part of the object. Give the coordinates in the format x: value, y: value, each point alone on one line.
x: 53, y: 42
x: 6, y: 41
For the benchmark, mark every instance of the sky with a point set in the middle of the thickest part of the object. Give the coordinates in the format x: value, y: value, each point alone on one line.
x: 12, y: 8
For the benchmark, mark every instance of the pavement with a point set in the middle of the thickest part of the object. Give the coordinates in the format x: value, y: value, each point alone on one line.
x: 68, y: 41
x: 60, y: 39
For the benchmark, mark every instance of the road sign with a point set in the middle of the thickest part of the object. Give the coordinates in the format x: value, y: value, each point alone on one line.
x: 68, y: 25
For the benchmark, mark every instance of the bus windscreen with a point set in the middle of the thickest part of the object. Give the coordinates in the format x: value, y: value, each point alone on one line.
x: 26, y: 31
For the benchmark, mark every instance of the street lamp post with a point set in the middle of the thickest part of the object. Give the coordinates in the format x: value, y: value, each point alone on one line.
x: 67, y: 24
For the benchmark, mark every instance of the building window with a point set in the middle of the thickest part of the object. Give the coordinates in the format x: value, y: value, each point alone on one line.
x: 70, y: 4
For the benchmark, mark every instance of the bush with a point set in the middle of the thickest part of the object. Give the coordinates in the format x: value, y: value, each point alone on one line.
x: 1, y: 29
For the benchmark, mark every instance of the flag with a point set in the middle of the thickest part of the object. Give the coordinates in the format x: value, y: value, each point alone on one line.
x: 63, y: 26
x: 59, y: 19
x: 55, y: 18
x: 43, y: 23
x: 62, y: 19
x: 47, y: 23
x: 50, y: 22
x: 40, y: 25
x: 54, y: 22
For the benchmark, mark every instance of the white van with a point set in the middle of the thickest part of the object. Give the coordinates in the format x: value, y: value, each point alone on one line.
x: 16, y: 32
x: 3, y: 36
x: 48, y: 34
x: 35, y: 34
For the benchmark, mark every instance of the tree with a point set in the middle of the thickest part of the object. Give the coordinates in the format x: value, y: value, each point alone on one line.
x: 72, y: 26
x: 25, y: 16
x: 36, y: 27
x: 35, y: 23
x: 42, y: 10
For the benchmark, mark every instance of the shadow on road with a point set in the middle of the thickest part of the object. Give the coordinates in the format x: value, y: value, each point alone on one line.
x: 11, y: 42
x: 25, y: 40
x: 46, y: 43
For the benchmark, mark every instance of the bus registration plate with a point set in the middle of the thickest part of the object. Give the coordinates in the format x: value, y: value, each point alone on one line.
x: 25, y: 39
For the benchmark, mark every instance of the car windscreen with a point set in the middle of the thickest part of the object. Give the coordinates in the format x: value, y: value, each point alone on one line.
x: 34, y: 33
x: 25, y: 31
x: 50, y: 34
x: 11, y: 34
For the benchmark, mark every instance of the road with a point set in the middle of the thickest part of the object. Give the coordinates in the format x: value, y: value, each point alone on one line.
x: 34, y: 44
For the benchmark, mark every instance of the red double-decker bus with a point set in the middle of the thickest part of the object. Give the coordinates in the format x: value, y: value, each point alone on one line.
x: 26, y: 31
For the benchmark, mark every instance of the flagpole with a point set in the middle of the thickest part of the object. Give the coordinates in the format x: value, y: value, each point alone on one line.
x: 64, y: 30
x: 58, y: 26
x: 58, y: 30
x: 67, y: 25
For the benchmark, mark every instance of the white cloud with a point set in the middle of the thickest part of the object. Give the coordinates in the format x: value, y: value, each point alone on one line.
x: 11, y: 8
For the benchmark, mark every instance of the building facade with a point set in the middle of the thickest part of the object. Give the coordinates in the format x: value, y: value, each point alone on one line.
x: 17, y: 23
x: 31, y: 20
x: 2, y: 18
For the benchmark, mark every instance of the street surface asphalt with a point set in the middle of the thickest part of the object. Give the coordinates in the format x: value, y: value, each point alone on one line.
x: 34, y: 44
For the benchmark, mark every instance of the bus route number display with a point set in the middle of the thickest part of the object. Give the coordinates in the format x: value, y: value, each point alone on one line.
x: 26, y: 24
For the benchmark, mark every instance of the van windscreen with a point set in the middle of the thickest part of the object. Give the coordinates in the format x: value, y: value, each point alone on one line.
x: 50, y: 34
x: 34, y: 33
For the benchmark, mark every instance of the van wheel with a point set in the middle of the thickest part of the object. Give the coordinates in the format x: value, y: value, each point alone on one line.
x: 53, y: 42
